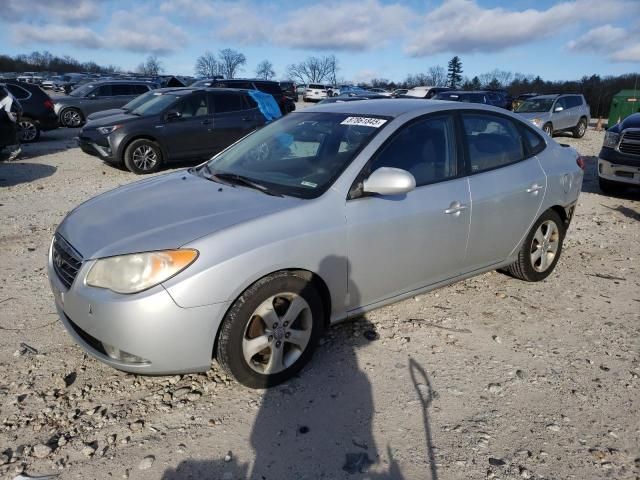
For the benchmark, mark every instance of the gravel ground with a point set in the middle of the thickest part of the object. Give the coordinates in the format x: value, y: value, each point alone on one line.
x: 487, y: 378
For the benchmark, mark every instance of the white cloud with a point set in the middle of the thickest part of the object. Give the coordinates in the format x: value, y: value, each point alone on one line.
x: 462, y: 26
x: 617, y: 43
x: 51, y: 34
x: 63, y: 11
x: 138, y: 31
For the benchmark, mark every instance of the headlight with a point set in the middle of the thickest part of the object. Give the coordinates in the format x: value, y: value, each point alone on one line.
x: 537, y: 122
x: 138, y: 271
x: 108, y: 130
x: 611, y: 139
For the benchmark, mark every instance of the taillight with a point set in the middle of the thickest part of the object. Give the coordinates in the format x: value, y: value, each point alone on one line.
x: 581, y: 163
x: 48, y: 104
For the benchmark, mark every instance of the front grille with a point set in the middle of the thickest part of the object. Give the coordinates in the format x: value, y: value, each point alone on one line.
x: 630, y: 143
x: 66, y: 261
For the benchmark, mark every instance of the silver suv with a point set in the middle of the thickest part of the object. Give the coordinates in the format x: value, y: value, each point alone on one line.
x: 557, y: 113
x: 93, y: 97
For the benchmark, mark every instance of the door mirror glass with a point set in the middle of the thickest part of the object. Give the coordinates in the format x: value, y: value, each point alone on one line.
x: 93, y: 95
x: 173, y: 115
x: 558, y: 109
x: 389, y: 181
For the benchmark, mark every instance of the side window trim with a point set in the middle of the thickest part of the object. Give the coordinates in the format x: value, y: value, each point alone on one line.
x: 364, y: 171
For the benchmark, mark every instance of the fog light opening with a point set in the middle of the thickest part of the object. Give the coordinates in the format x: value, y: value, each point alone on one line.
x: 122, y: 356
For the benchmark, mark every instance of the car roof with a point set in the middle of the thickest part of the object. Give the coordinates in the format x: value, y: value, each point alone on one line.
x: 383, y: 107
x: 189, y: 90
x: 100, y: 82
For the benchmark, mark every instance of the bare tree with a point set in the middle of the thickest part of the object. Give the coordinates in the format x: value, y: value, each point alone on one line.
x: 152, y: 67
x: 265, y: 70
x: 495, y: 77
x: 207, y: 66
x: 437, y: 76
x: 231, y: 62
x: 314, y: 70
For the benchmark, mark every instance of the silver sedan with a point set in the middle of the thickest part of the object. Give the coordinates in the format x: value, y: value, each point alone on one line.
x: 320, y: 216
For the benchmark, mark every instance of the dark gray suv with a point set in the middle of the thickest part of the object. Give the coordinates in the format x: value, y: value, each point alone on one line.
x: 93, y: 97
x: 184, y: 124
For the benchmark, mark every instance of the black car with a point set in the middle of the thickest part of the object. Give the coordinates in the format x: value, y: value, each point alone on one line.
x: 182, y: 124
x: 267, y: 86
x: 133, y: 104
x: 619, y: 158
x: 38, y: 114
x: 290, y: 90
x: 464, y: 96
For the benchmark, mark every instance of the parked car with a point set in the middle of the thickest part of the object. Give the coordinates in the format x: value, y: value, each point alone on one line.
x: 499, y: 98
x: 351, y: 98
x: 425, y: 92
x: 557, y: 113
x: 205, y: 82
x: 399, y: 91
x: 619, y: 159
x: 251, y: 254
x: 8, y: 127
x: 93, y: 97
x: 132, y: 105
x: 177, y: 125
x: 267, y: 86
x: 290, y: 90
x: 463, y: 96
x: 380, y: 91
x: 314, y: 92
x: 38, y: 113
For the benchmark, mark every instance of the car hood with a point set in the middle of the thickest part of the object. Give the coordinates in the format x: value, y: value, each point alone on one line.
x: 531, y: 116
x: 105, y: 121
x: 163, y: 212
x: 105, y: 113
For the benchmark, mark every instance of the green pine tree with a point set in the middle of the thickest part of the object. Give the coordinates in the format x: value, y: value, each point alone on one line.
x: 454, y: 72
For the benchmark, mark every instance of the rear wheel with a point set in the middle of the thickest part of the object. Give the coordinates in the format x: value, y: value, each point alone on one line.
x: 143, y: 156
x: 29, y: 130
x: 271, y: 330
x: 71, y: 118
x: 548, y: 129
x: 541, y: 249
x: 580, y: 129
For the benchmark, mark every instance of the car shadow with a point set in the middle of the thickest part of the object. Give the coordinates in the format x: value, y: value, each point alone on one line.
x: 50, y: 142
x: 15, y: 173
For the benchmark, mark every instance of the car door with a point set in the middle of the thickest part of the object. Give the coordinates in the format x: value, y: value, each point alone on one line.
x: 230, y: 120
x: 560, y: 119
x: 573, y: 110
x: 400, y: 243
x: 97, y: 100
x: 507, y: 187
x: 188, y: 135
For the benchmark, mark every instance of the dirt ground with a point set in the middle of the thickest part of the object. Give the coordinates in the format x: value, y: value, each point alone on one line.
x: 487, y: 378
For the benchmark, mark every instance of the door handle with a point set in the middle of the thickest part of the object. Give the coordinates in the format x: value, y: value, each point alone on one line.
x: 246, y: 119
x: 206, y: 122
x: 455, y: 208
x: 534, y: 188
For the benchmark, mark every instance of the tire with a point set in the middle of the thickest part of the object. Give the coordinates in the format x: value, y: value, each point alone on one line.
x: 143, y: 156
x: 580, y: 129
x: 71, y: 118
x: 548, y: 129
x: 534, y: 270
x: 254, y: 365
x: 608, y: 187
x: 29, y: 130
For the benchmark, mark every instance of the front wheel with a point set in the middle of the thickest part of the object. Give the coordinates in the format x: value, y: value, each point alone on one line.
x: 143, y: 156
x: 580, y: 129
x: 271, y: 330
x: 548, y: 129
x: 541, y: 249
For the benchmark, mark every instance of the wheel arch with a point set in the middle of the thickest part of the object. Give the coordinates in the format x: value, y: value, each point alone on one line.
x: 316, y: 280
x: 124, y: 144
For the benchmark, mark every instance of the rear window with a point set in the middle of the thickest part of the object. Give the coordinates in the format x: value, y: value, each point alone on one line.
x: 225, y: 102
x: 139, y: 89
x: 122, y: 89
x: 317, y: 86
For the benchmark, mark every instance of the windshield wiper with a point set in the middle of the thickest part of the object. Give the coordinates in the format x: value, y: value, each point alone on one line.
x: 234, y: 178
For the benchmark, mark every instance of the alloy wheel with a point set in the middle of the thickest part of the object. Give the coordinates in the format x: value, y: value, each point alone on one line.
x: 71, y: 118
x: 544, y: 246
x: 28, y: 131
x: 144, y: 157
x: 277, y: 333
x: 582, y: 127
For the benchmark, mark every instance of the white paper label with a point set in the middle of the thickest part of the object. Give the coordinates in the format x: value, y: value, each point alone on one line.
x: 364, y: 121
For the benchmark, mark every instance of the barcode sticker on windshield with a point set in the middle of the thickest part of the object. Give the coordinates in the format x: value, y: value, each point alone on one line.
x: 364, y: 121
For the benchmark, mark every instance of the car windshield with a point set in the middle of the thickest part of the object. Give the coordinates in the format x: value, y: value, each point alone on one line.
x: 154, y: 105
x: 83, y: 90
x: 136, y: 102
x: 299, y: 155
x: 535, y: 105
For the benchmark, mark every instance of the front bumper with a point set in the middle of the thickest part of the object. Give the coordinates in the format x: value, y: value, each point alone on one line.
x: 92, y: 143
x: 159, y: 336
x: 615, y: 172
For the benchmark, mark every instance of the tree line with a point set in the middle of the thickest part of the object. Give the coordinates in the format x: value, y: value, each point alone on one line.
x: 228, y: 63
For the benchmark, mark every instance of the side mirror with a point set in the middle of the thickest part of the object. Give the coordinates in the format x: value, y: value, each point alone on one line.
x: 173, y: 115
x: 93, y: 96
x: 558, y: 109
x: 389, y: 181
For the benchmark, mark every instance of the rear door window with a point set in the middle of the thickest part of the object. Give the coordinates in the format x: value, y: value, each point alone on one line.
x: 223, y: 102
x: 103, y: 91
x: 120, y: 89
x: 269, y: 87
x: 492, y: 141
